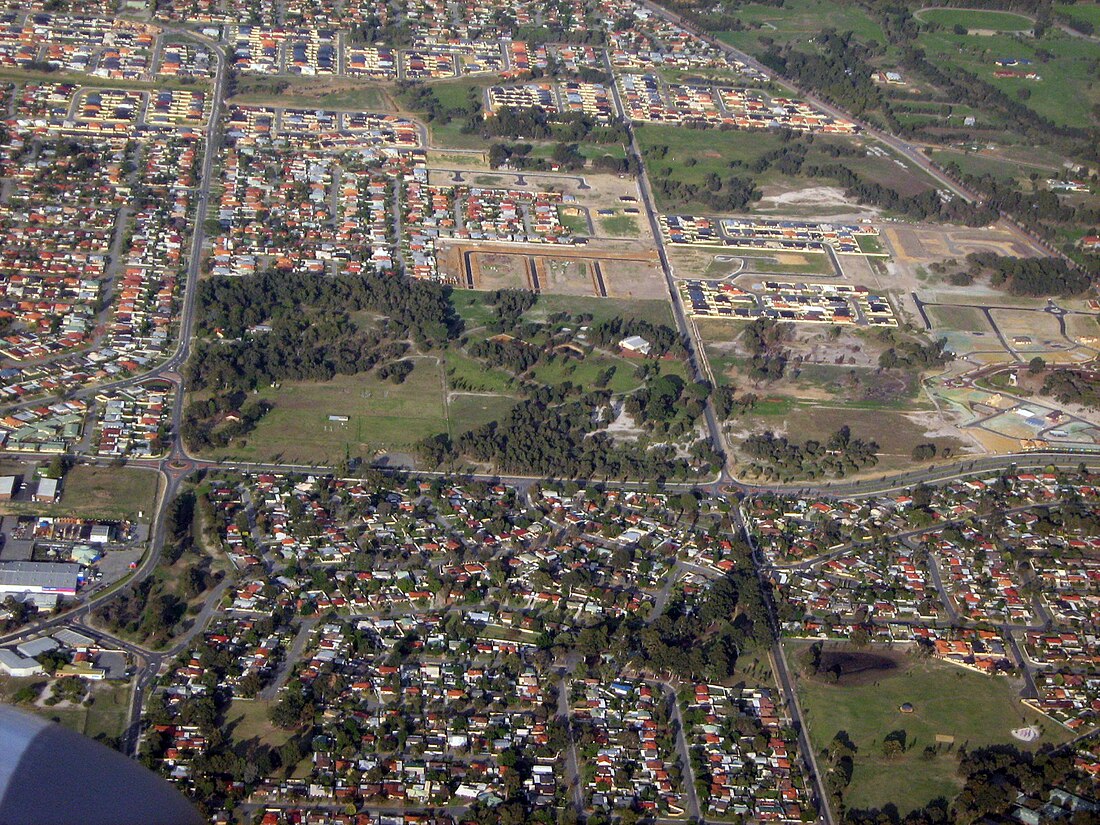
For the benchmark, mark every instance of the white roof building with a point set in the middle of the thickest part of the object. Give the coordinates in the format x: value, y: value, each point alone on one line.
x: 16, y: 665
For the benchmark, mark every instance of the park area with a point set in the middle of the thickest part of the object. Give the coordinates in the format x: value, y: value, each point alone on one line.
x: 919, y: 702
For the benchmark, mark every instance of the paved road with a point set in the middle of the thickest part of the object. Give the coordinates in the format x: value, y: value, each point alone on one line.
x: 292, y: 656
x: 688, y: 332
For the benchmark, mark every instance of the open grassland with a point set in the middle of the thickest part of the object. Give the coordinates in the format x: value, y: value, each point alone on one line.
x: 250, y: 719
x: 1001, y: 21
x: 972, y: 164
x: 947, y: 700
x: 601, y: 309
x: 897, y: 425
x: 445, y: 392
x: 99, y: 492
x: 381, y: 416
x: 1089, y: 12
x: 1065, y: 94
x: 335, y: 93
x: 800, y: 20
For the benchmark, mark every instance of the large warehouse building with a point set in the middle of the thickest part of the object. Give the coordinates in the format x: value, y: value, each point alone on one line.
x: 31, y: 578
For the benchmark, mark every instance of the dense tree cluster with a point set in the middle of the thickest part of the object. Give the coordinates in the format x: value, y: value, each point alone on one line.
x: 763, y: 339
x: 838, y: 70
x: 1032, y: 277
x: 663, y: 339
x: 533, y: 122
x: 1073, y: 387
x: 838, y: 456
x: 422, y: 98
x: 419, y: 309
x: 557, y: 439
x: 216, y: 421
x: 993, y: 779
x: 915, y: 355
x: 154, y: 608
x: 311, y: 335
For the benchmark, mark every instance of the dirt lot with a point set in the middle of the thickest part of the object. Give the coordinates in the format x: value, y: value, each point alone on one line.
x: 823, y: 202
x: 492, y: 270
x: 915, y: 244
x: 603, y: 270
x: 563, y: 276
x: 634, y: 279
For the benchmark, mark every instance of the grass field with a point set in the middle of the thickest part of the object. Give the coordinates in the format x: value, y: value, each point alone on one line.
x: 962, y: 319
x: 972, y: 164
x: 466, y: 374
x: 800, y: 20
x: 584, y: 372
x: 99, y: 492
x: 468, y: 412
x: 1001, y: 21
x: 619, y: 226
x: 105, y: 716
x: 310, y: 92
x: 695, y: 153
x: 381, y: 416
x: 247, y: 719
x: 1065, y: 94
x: 601, y: 309
x: 883, y: 422
x: 1089, y: 12
x: 975, y: 709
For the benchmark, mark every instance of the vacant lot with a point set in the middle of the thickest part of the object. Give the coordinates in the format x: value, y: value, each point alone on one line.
x: 895, y: 432
x: 250, y: 719
x: 105, y: 716
x: 99, y: 492
x: 333, y: 93
x: 566, y: 276
x: 947, y: 700
x: 957, y: 318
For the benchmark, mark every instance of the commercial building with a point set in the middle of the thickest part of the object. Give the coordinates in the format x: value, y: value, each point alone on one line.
x: 7, y: 487
x: 47, y: 491
x: 35, y: 577
x: 13, y: 664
